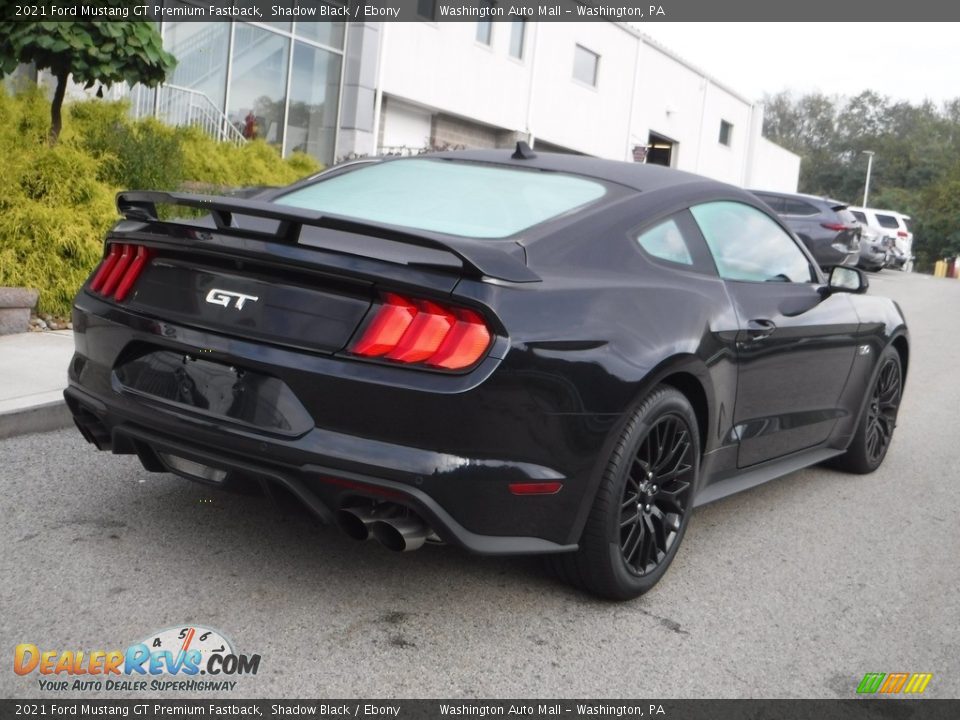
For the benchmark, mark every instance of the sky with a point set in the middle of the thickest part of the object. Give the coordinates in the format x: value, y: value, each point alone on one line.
x: 906, y: 61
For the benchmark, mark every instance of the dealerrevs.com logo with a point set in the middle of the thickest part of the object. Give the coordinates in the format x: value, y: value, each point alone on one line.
x: 191, y: 658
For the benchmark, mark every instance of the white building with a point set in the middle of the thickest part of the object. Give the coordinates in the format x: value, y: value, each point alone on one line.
x: 596, y: 88
x: 337, y: 90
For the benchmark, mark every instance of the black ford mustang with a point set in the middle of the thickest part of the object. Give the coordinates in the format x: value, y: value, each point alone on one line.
x: 514, y: 353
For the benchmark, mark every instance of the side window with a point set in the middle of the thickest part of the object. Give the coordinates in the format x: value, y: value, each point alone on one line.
x: 861, y: 218
x: 774, y: 201
x: 746, y: 244
x: 798, y: 207
x: 665, y: 241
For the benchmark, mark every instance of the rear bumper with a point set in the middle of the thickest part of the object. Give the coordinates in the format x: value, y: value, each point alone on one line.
x: 472, y: 439
x: 872, y: 259
x: 830, y: 255
x: 322, y: 489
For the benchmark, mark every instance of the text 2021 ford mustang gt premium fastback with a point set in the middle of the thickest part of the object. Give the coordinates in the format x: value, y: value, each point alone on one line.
x: 509, y: 352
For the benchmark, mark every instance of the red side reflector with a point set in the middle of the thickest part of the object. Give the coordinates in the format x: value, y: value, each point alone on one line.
x: 130, y: 277
x: 535, y: 488
x: 106, y: 267
x: 391, y: 322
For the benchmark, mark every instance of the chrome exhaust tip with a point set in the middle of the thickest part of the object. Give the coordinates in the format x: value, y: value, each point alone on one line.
x: 400, y: 534
x: 356, y: 521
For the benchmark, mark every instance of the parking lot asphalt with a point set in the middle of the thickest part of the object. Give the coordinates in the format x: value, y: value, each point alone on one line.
x: 793, y: 589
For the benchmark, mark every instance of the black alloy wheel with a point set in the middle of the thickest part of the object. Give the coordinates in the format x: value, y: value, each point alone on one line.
x: 643, y: 504
x: 875, y: 432
x: 882, y: 410
x: 656, y: 494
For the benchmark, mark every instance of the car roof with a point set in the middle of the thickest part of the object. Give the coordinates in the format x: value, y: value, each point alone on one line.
x: 637, y: 176
x: 801, y: 196
x: 879, y: 210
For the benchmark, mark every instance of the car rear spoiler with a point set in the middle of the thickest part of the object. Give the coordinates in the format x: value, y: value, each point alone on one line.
x: 482, y: 257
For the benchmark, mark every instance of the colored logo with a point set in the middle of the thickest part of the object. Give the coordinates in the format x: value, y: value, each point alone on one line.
x: 892, y: 683
x: 185, y: 652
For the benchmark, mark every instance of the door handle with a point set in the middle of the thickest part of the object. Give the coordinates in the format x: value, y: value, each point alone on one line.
x: 760, y: 329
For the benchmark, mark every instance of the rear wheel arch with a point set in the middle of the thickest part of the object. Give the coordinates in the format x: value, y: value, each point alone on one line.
x: 692, y: 388
x: 658, y: 487
x: 686, y: 374
x: 902, y: 347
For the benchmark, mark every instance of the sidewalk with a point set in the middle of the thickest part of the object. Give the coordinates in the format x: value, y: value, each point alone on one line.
x: 33, y: 374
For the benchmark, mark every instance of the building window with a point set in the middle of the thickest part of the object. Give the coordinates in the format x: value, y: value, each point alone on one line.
x: 427, y: 9
x: 726, y: 133
x: 201, y: 52
x: 585, y: 64
x: 325, y: 33
x: 258, y: 83
x: 518, y: 32
x: 485, y: 27
x: 314, y: 90
x: 484, y: 32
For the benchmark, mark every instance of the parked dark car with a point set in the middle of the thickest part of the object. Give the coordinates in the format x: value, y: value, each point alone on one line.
x: 536, y: 354
x: 830, y: 231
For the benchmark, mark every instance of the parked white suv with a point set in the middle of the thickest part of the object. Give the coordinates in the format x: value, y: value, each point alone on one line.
x: 891, y: 224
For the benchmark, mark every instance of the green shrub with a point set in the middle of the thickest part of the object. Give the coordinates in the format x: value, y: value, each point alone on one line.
x: 56, y: 203
x: 135, y: 156
x: 228, y: 166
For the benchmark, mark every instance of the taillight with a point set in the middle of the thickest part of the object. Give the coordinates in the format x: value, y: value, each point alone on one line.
x: 836, y: 227
x: 387, y: 328
x: 901, y: 233
x: 106, y: 266
x: 119, y: 270
x: 424, y: 332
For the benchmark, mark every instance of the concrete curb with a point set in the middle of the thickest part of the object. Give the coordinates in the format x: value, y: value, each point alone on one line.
x: 33, y: 374
x: 42, y: 417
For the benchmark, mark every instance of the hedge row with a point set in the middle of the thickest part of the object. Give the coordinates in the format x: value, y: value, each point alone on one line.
x: 57, y: 202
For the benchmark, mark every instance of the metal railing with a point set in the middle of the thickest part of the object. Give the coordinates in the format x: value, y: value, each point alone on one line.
x: 182, y: 106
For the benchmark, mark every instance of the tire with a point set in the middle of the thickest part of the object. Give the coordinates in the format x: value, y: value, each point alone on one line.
x: 875, y: 430
x: 643, y: 505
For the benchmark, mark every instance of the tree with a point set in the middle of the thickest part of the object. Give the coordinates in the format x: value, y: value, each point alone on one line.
x: 937, y: 219
x: 914, y: 170
x: 92, y: 52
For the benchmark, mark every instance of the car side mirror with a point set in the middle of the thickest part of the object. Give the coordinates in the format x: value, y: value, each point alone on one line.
x: 847, y: 279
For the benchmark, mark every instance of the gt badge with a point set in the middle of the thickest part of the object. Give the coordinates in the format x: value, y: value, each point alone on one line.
x: 225, y: 297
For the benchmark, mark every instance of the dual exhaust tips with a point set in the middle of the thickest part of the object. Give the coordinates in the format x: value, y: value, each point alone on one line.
x: 396, y: 527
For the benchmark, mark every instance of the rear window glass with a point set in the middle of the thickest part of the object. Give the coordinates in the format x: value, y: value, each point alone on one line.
x: 859, y: 216
x: 455, y: 198
x: 887, y: 221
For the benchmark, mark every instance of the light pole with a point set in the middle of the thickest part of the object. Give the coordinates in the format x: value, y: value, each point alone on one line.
x: 866, y: 187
